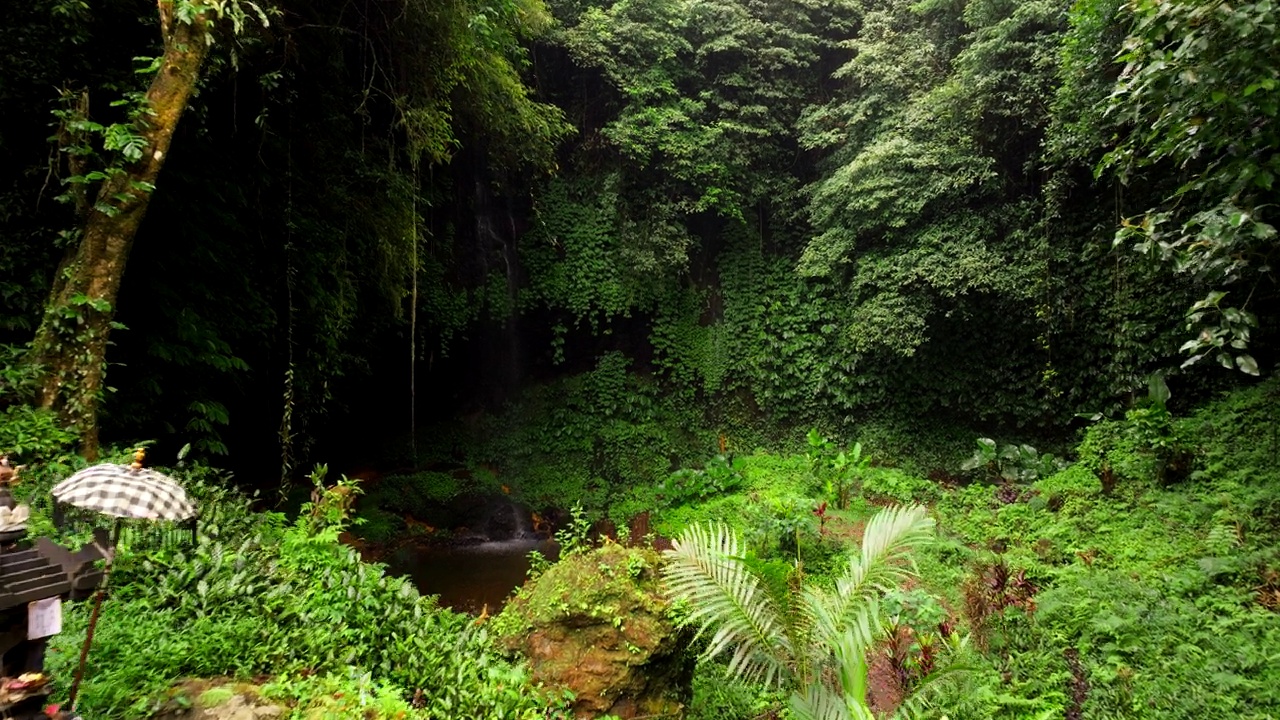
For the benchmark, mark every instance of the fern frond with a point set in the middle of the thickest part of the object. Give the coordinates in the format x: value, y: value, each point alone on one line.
x: 850, y: 654
x: 818, y: 703
x: 705, y: 568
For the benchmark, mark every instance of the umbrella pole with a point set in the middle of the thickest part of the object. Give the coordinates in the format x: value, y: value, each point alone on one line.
x: 93, y: 621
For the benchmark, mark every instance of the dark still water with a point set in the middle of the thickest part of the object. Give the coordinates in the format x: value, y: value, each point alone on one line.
x: 469, y: 577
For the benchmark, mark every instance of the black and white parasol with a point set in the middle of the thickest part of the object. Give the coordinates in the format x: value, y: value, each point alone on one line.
x: 126, y: 491
x: 120, y: 491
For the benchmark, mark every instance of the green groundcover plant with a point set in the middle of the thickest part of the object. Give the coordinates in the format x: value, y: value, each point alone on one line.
x: 257, y: 595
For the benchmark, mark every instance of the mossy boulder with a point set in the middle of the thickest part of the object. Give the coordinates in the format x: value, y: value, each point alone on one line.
x: 598, y: 624
x: 197, y: 699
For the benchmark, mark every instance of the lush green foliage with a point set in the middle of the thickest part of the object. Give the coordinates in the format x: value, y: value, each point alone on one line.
x: 1100, y: 590
x: 717, y: 695
x: 260, y: 595
x: 317, y: 135
x: 1020, y: 463
x: 1111, y: 588
x: 926, y: 168
x: 894, y: 222
x: 717, y: 475
x: 592, y: 438
x: 26, y: 433
x: 1104, y: 593
x: 1199, y: 90
x: 945, y: 272
x: 802, y: 639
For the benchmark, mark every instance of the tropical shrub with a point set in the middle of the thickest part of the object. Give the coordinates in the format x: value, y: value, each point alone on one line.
x: 1010, y: 463
x: 257, y: 595
x: 717, y: 697
x: 813, y: 641
x: 836, y: 469
x: 718, y: 475
x: 896, y: 485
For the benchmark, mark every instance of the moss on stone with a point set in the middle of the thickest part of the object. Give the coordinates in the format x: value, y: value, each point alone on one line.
x: 599, y: 624
x: 213, y: 697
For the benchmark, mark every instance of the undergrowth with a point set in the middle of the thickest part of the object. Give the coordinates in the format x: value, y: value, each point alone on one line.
x: 1112, y: 588
x: 1143, y: 599
x: 258, y: 595
x: 1141, y: 581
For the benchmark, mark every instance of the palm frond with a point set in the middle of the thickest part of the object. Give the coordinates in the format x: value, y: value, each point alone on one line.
x: 818, y: 702
x: 879, y: 567
x: 850, y: 654
x: 832, y: 616
x: 705, y: 568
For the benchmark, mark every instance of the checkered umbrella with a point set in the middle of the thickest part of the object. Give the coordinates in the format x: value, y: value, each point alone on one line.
x: 121, y: 491
x: 126, y: 491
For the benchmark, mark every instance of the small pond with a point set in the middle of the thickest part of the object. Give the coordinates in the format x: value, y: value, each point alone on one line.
x: 469, y: 577
x: 488, y: 558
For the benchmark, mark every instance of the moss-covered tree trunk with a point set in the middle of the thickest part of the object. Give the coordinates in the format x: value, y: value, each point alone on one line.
x: 71, y: 342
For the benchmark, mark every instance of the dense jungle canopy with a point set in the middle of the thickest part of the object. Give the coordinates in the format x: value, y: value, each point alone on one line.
x: 769, y: 213
x: 879, y: 340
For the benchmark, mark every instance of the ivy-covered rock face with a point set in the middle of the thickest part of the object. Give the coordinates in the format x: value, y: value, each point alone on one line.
x: 597, y: 624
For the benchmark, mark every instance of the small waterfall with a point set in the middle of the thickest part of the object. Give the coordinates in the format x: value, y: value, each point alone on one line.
x: 507, y: 521
x: 487, y: 556
x: 495, y: 249
x: 524, y: 524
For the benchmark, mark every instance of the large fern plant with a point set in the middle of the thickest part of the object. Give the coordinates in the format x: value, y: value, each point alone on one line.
x: 813, y: 640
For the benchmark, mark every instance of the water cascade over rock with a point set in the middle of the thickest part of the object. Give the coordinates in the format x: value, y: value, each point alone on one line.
x: 484, y: 559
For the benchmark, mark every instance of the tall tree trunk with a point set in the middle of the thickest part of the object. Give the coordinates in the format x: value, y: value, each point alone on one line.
x: 71, y: 343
